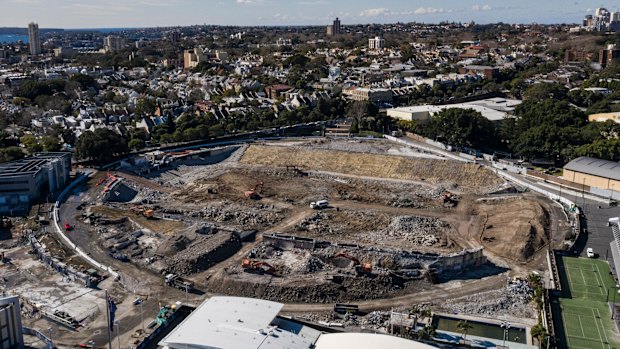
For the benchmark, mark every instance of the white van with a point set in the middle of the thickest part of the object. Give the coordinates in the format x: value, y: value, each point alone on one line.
x: 319, y: 204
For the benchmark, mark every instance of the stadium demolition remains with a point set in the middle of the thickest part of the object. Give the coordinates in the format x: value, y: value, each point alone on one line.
x: 236, y: 220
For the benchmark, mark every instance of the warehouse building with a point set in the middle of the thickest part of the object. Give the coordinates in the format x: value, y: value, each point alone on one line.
x: 602, y: 174
x: 26, y: 180
x: 236, y: 322
x: 249, y: 323
x: 493, y: 109
x: 11, y: 332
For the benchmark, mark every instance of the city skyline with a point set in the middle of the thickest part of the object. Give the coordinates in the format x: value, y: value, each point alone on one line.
x: 71, y: 14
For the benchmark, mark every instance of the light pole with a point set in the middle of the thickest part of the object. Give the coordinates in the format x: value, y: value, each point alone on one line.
x: 118, y: 333
x: 611, y: 197
x: 506, y: 326
x: 583, y: 193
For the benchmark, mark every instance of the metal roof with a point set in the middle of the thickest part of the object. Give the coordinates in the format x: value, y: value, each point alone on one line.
x: 235, y: 322
x: 596, y: 167
x: 29, y: 165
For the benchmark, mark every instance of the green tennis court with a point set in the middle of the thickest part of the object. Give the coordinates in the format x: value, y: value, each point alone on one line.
x: 587, y: 287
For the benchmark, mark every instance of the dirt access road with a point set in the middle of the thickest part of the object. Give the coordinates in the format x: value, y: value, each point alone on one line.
x: 448, y: 290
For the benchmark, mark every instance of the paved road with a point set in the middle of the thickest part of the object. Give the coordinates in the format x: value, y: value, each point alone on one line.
x: 596, y: 216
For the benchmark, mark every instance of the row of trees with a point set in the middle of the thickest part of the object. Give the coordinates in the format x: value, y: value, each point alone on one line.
x: 103, y: 145
x: 546, y: 125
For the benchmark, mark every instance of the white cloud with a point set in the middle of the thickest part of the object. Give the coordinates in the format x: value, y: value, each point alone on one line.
x: 427, y: 10
x: 246, y: 2
x: 374, y: 12
x: 478, y: 8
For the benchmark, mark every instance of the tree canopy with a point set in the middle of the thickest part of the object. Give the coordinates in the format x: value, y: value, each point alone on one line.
x: 462, y: 127
x: 101, y: 145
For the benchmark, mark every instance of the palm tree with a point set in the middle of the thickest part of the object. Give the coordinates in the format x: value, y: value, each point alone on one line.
x: 428, y: 332
x: 464, y: 326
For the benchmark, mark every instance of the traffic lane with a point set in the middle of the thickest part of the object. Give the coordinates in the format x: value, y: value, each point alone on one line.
x: 599, y: 234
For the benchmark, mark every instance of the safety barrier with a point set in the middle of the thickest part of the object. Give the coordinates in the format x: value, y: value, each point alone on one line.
x: 65, y: 239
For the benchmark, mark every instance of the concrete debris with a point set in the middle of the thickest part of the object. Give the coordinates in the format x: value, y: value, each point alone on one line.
x: 421, y: 231
x: 514, y: 300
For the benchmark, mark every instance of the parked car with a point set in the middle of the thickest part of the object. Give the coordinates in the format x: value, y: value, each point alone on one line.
x: 68, y: 227
x: 590, y: 252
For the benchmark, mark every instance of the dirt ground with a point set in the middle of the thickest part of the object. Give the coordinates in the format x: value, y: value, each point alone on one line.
x: 451, y: 173
x: 382, y: 197
x: 159, y: 225
x: 514, y: 227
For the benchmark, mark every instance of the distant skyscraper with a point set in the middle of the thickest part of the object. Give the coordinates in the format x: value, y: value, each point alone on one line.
x: 34, y: 39
x: 334, y: 29
x: 113, y: 43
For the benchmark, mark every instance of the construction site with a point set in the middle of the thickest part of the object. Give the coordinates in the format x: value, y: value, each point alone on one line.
x: 310, y: 222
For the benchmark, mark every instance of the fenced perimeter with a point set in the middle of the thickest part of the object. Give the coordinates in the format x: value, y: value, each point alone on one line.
x: 583, y: 313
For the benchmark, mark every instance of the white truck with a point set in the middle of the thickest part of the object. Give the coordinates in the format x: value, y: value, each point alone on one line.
x: 319, y: 204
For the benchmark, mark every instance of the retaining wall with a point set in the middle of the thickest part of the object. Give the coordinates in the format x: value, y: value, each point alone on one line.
x: 63, y: 237
x: 453, y: 262
x: 62, y: 268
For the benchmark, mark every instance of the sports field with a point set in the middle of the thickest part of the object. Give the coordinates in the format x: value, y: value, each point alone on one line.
x: 587, y: 286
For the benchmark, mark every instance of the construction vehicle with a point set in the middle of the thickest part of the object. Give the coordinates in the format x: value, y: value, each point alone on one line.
x: 253, y: 193
x: 347, y: 256
x: 448, y: 199
x: 5, y: 222
x: 176, y: 281
x: 360, y: 267
x: 319, y: 204
x: 251, y: 266
x: 139, y: 210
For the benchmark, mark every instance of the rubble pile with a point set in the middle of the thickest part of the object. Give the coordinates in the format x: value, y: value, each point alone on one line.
x: 421, y: 231
x: 515, y: 300
x: 315, y: 223
x: 232, y: 214
x: 203, y: 252
x: 311, y: 265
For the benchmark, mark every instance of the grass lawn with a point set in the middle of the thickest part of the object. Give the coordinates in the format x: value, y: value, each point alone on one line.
x: 587, y: 286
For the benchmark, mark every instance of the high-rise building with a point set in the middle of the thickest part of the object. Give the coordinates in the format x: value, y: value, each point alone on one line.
x: 34, y: 39
x: 608, y: 55
x: 334, y: 29
x: 376, y: 43
x: 113, y: 43
x: 11, y: 334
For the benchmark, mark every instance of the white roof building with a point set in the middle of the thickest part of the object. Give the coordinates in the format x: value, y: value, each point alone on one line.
x: 239, y: 323
x: 494, y: 109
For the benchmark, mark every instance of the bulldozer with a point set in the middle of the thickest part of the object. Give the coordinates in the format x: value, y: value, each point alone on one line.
x: 253, y: 193
x: 259, y: 267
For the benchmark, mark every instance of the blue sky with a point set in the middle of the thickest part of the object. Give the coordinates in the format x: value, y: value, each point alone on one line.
x: 150, y: 13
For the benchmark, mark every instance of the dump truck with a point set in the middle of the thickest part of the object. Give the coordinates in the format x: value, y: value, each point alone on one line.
x: 174, y: 280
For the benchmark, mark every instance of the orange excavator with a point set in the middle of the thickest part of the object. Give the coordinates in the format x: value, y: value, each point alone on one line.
x: 253, y: 193
x: 347, y: 256
x: 365, y: 267
x: 252, y: 266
